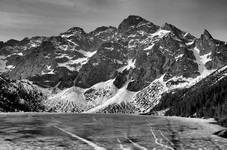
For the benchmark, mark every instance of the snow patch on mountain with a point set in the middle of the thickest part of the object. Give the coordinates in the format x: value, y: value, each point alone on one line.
x: 132, y: 36
x: 2, y: 64
x: 69, y: 64
x: 76, y: 99
x: 87, y: 53
x: 206, y: 58
x: 10, y: 67
x: 141, y: 32
x: 64, y: 55
x: 201, y: 65
x: 74, y: 44
x: 223, y: 76
x: 132, y: 44
x: 190, y: 43
x: 222, y: 69
x: 48, y: 71
x: 32, y: 45
x: 109, y: 48
x: 149, y: 47
x: 130, y: 64
x: 186, y: 34
x: 179, y: 56
x: 66, y: 35
x: 19, y: 54
x: 160, y: 33
x: 64, y: 47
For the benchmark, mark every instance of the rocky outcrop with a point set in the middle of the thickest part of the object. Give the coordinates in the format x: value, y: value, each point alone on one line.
x: 103, y: 65
x: 206, y: 43
x: 133, y: 23
x: 1, y: 44
x: 212, y: 49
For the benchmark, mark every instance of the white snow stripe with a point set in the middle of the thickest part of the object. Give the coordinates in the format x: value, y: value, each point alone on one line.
x: 122, y: 147
x: 149, y: 47
x: 186, y: 34
x: 190, y: 43
x: 137, y: 145
x: 96, y: 147
x: 156, y: 139
x: 161, y: 33
x: 168, y: 147
x: 201, y: 66
x: 72, y: 42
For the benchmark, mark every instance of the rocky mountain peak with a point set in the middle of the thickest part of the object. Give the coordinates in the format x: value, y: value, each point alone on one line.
x: 168, y: 26
x: 172, y: 28
x: 47, y: 45
x: 102, y: 28
x: 179, y: 33
x: 206, y: 34
x: 73, y: 32
x: 206, y: 43
x: 11, y: 42
x: 131, y: 21
x: 1, y: 44
x: 25, y: 41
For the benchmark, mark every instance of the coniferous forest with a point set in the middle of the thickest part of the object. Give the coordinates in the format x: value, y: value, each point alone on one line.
x: 207, y: 99
x: 18, y: 96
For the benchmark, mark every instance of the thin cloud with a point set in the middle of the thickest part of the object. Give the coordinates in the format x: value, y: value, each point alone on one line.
x: 51, y: 17
x: 67, y: 3
x: 17, y: 20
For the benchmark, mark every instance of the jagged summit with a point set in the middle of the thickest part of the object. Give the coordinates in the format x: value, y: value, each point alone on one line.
x: 74, y: 31
x: 11, y: 42
x: 178, y: 32
x: 172, y: 28
x: 102, y: 28
x: 206, y: 34
x: 1, y: 44
x: 133, y: 21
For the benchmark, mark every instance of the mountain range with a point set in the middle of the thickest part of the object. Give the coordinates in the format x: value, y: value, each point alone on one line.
x: 137, y: 67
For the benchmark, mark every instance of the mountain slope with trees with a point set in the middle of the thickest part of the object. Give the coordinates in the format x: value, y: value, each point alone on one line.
x: 207, y: 98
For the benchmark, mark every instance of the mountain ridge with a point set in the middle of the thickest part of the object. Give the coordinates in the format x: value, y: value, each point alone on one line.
x: 145, y: 59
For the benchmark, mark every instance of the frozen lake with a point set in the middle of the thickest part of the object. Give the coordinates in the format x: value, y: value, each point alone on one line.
x: 105, y: 132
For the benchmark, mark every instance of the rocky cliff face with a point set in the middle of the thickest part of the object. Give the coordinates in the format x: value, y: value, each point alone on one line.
x: 135, y: 55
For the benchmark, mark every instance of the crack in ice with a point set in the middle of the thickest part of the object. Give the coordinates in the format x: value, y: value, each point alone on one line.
x: 137, y: 145
x: 157, y: 140
x: 96, y: 147
x: 168, y: 147
x: 133, y: 143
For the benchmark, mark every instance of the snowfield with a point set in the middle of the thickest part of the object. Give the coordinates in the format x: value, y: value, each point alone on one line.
x: 122, y: 95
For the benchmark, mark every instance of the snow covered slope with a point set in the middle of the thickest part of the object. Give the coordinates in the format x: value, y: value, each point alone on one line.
x: 76, y: 99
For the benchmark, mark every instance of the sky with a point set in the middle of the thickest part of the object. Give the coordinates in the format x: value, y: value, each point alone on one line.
x: 27, y: 18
